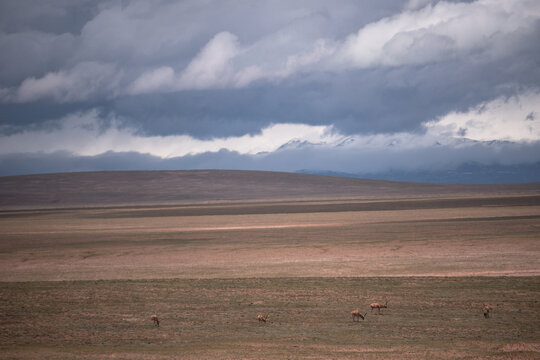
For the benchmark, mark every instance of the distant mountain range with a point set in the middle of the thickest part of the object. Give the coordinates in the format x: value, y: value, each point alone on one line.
x: 470, y: 173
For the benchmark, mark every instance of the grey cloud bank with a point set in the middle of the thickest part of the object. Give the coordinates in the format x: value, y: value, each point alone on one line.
x: 195, y: 84
x: 444, y: 164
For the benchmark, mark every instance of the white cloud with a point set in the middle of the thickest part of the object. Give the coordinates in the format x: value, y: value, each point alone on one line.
x: 86, y: 134
x: 515, y: 119
x: 159, y: 79
x: 304, y: 61
x: 501, y: 131
x: 84, y: 81
x: 422, y: 33
x: 224, y: 63
x: 139, y: 35
x: 434, y: 33
x: 211, y: 67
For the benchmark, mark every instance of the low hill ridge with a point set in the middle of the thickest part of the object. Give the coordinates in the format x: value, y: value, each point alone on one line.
x: 116, y: 188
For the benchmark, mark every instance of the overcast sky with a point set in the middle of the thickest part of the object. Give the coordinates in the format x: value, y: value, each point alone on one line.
x: 350, y: 86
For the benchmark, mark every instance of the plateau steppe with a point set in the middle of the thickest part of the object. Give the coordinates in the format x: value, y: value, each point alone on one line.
x: 87, y: 258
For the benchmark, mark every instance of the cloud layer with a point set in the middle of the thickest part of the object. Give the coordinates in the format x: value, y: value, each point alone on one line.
x: 317, y: 81
x: 438, y: 32
x: 503, y: 121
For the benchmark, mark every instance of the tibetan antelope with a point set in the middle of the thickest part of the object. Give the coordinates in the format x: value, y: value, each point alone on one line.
x: 379, y: 306
x: 155, y: 320
x: 357, y: 315
x: 487, y: 309
x: 262, y: 318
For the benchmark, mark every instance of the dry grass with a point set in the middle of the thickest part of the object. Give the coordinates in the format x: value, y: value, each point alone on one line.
x: 309, y: 318
x: 195, y: 186
x: 138, y: 243
x: 83, y: 282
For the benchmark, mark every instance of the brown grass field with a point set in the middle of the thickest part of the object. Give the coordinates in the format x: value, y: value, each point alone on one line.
x: 80, y: 277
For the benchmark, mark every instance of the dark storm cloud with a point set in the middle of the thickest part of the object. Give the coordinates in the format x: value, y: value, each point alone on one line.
x: 364, y: 101
x: 216, y: 69
x: 374, y: 162
x: 47, y: 43
x: 98, y: 48
x: 57, y: 17
x: 51, y: 36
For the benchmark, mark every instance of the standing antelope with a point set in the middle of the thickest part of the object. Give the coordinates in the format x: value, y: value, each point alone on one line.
x: 262, y: 318
x: 487, y: 309
x: 155, y: 320
x: 379, y: 306
x: 357, y: 315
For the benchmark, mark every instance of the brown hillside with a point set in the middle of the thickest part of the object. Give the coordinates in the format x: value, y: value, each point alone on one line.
x: 194, y: 186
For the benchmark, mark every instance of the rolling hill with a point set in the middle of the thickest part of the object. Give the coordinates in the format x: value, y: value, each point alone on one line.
x: 117, y: 188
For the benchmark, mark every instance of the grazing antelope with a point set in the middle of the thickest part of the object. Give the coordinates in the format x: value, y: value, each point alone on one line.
x: 155, y: 320
x: 357, y: 315
x: 262, y: 318
x: 379, y: 306
x: 487, y: 309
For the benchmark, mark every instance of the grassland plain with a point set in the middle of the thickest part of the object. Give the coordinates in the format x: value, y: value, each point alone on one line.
x: 427, y: 317
x: 471, y: 236
x: 82, y: 281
